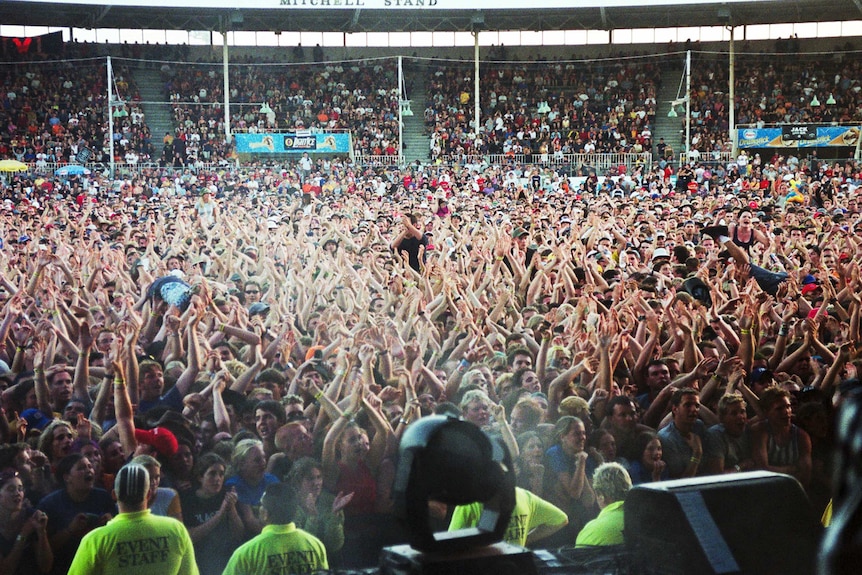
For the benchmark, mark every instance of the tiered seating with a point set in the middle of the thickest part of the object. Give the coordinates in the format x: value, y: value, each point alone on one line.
x: 355, y: 96
x: 770, y: 90
x: 54, y: 110
x: 545, y: 107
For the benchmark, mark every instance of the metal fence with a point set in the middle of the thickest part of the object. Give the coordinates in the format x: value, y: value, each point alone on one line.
x: 601, y: 164
x: 707, y: 158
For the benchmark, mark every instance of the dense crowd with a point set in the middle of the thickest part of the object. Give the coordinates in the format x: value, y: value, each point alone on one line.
x: 785, y: 89
x: 53, y: 112
x: 545, y: 108
x: 355, y: 96
x: 233, y: 330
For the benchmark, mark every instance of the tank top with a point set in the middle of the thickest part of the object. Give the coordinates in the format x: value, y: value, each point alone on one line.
x: 361, y: 483
x: 744, y: 245
x: 783, y: 455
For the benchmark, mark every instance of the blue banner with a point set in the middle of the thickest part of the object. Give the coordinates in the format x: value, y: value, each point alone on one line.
x: 826, y: 136
x: 293, y: 143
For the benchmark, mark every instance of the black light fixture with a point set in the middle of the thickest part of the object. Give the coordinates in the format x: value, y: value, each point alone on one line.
x: 451, y: 461
x: 477, y: 21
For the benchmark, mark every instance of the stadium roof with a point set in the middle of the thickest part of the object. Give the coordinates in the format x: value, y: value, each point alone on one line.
x: 417, y: 15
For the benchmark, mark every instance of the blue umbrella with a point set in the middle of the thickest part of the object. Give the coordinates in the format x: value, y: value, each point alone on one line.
x: 71, y: 170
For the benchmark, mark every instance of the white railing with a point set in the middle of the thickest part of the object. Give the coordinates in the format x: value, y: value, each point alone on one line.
x: 602, y: 164
x: 372, y: 160
x: 707, y: 158
x: 50, y: 168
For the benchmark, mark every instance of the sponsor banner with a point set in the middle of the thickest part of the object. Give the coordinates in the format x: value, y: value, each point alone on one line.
x: 824, y: 136
x: 803, y: 132
x: 293, y: 143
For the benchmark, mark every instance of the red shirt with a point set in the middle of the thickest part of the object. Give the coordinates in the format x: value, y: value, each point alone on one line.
x: 361, y: 483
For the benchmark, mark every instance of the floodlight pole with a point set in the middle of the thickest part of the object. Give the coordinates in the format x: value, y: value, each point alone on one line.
x: 687, y: 105
x: 731, y: 113
x: 400, y: 110
x: 475, y: 86
x: 224, y: 57
x: 111, y: 115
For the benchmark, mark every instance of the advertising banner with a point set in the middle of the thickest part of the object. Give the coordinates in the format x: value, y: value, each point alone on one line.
x: 293, y: 143
x: 794, y: 132
x: 793, y: 136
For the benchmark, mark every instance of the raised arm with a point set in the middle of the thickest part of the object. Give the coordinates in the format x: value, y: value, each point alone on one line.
x: 82, y: 367
x: 122, y: 402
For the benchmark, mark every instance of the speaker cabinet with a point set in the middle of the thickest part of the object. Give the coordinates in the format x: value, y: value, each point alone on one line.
x: 756, y: 523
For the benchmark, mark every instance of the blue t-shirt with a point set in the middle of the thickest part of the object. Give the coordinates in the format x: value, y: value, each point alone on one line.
x: 61, y: 510
x: 250, y: 494
x: 675, y: 450
x: 172, y: 400
x: 560, y: 462
x: 641, y: 474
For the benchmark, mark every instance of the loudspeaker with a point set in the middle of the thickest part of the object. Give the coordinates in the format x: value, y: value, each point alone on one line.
x: 497, y: 559
x: 756, y: 523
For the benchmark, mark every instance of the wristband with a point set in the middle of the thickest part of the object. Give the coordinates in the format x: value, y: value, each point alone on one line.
x: 500, y: 258
x: 745, y: 331
x: 19, y: 349
x: 318, y: 395
x: 38, y: 370
x: 463, y: 364
x: 404, y: 421
x: 20, y: 538
x: 119, y: 382
x: 695, y: 460
x: 221, y: 327
x: 347, y: 415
